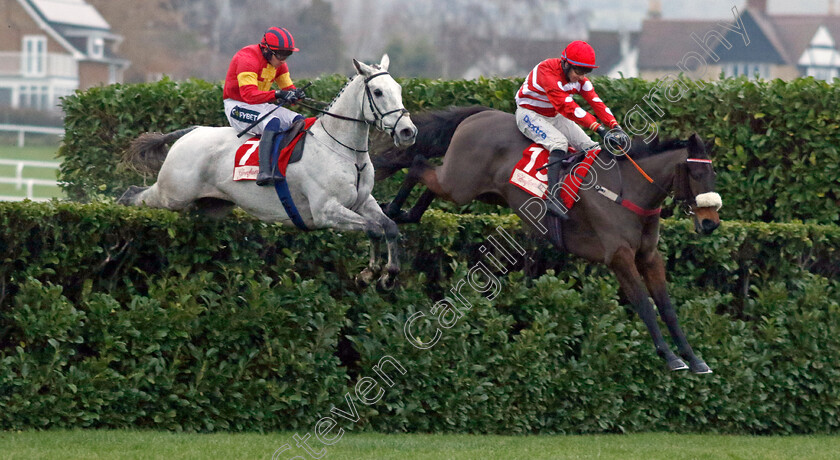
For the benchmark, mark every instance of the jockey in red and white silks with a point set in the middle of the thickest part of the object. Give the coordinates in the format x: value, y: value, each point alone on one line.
x: 248, y: 95
x: 548, y: 114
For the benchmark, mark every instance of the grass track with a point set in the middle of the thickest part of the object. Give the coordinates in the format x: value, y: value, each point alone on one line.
x: 163, y: 445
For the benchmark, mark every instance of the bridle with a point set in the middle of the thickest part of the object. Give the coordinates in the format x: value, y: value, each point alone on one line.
x: 682, y: 186
x: 681, y: 189
x: 378, y: 115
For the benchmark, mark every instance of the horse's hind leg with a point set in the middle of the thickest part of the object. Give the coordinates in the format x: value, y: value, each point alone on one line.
x: 129, y: 197
x: 152, y: 197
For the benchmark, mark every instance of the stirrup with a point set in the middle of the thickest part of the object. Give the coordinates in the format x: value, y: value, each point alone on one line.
x: 268, y: 179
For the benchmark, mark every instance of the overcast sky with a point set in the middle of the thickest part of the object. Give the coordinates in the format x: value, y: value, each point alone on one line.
x: 606, y: 14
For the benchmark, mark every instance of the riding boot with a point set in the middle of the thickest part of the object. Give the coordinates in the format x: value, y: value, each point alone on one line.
x: 554, y: 168
x: 267, y: 174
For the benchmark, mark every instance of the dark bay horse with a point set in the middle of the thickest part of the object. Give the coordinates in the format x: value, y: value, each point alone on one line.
x: 615, y: 220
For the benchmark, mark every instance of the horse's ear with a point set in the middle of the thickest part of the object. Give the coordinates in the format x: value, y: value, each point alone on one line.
x: 361, y: 67
x: 696, y: 146
x: 385, y: 62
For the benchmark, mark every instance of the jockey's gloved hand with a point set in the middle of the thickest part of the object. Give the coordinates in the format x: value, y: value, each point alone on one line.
x: 299, y: 93
x: 601, y: 131
x: 616, y: 140
x: 288, y: 97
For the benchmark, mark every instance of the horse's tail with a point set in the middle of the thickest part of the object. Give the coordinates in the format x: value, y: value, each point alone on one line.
x: 147, y: 153
x: 434, y: 133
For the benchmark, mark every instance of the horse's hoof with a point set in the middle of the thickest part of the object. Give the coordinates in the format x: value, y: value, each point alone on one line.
x: 677, y: 364
x: 700, y: 367
x: 364, y: 278
x: 127, y: 198
x: 397, y: 216
x: 386, y: 283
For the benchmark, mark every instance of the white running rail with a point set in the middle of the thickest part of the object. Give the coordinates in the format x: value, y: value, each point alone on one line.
x: 19, y: 181
x: 23, y: 129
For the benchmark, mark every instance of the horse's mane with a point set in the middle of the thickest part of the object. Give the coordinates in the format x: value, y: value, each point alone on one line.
x: 641, y: 149
x: 435, y: 131
x: 350, y: 79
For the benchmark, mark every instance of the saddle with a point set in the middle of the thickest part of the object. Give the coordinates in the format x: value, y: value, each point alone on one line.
x: 290, y: 135
x: 287, y: 149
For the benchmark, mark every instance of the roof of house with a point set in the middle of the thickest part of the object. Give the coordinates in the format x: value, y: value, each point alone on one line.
x: 780, y: 39
x: 607, y: 46
x: 71, y: 23
x: 70, y: 12
x: 796, y: 32
x: 663, y: 43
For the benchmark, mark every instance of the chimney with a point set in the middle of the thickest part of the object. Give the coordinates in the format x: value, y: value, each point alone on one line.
x: 654, y: 9
x: 757, y: 6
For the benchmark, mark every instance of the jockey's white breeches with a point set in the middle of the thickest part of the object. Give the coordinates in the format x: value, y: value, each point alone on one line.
x: 553, y: 133
x: 240, y: 115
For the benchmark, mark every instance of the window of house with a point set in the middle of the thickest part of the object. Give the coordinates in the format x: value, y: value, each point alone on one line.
x: 35, y: 97
x: 822, y: 73
x: 5, y: 97
x: 751, y: 70
x: 96, y: 47
x: 34, y: 55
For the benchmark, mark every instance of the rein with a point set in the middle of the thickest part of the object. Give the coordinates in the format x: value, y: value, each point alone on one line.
x: 378, y: 115
x: 618, y: 197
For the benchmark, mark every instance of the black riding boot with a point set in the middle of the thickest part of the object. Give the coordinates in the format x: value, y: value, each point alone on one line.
x: 554, y: 168
x: 267, y: 175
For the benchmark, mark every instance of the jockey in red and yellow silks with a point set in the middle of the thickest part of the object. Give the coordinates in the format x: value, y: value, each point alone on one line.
x: 250, y: 76
x: 248, y: 95
x: 548, y: 114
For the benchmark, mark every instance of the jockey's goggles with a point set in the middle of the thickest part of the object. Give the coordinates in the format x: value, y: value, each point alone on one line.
x: 581, y: 70
x: 281, y: 54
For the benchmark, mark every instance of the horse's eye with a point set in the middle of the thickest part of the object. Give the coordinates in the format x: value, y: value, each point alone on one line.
x: 377, y: 92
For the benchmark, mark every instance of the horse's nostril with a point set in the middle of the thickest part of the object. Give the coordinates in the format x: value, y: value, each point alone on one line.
x: 406, y: 133
x: 708, y: 225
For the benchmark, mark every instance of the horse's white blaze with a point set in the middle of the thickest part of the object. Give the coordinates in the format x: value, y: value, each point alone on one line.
x: 709, y: 200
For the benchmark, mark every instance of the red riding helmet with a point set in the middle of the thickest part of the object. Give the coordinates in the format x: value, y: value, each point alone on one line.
x: 278, y: 39
x: 579, y: 53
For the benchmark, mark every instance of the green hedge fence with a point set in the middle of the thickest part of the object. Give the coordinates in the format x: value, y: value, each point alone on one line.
x: 132, y: 317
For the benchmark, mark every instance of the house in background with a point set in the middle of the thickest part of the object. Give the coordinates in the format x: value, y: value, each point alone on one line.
x: 780, y: 46
x: 50, y: 48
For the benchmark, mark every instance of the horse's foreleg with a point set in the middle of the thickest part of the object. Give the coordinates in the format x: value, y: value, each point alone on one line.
x: 392, y: 210
x: 371, y: 210
x: 367, y: 275
x: 413, y: 215
x: 369, y: 219
x: 624, y: 267
x: 652, y: 269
